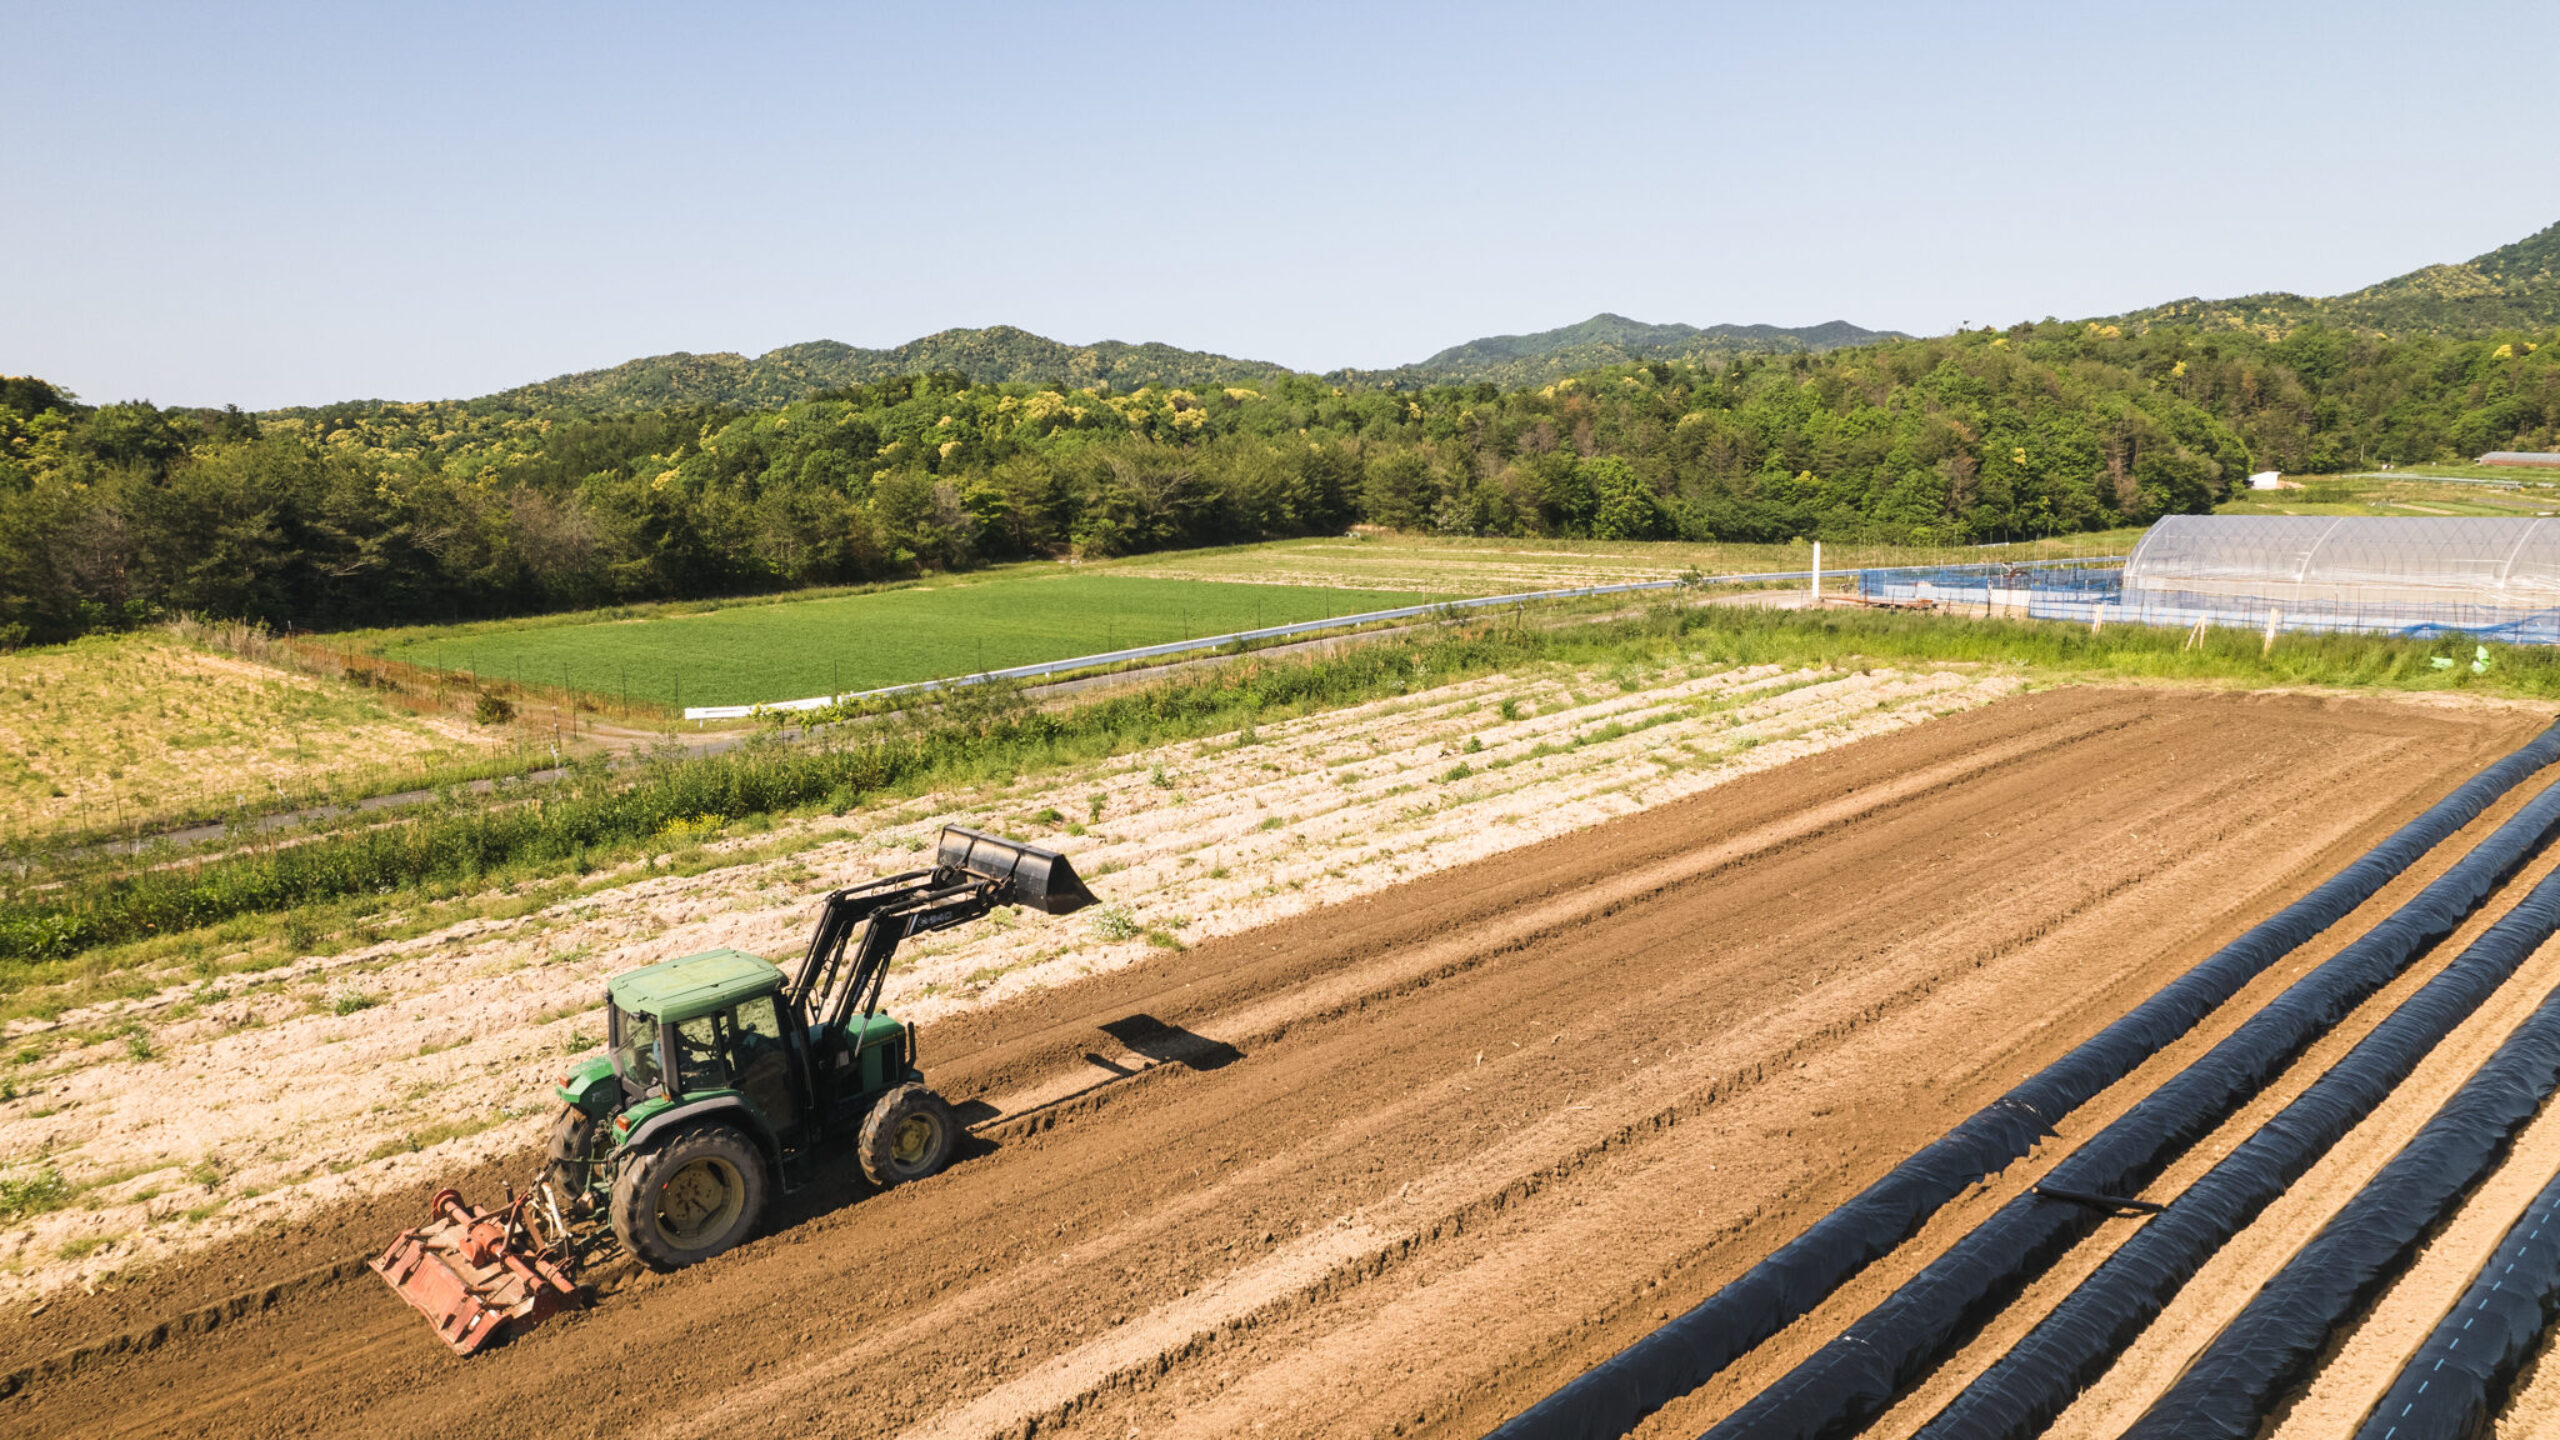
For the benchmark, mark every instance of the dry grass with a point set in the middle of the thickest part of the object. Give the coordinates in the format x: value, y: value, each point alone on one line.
x: 114, y: 732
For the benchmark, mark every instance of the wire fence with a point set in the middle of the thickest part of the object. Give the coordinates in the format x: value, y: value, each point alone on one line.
x: 2095, y: 593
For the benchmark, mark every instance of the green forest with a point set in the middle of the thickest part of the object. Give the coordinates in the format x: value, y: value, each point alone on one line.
x: 380, y: 512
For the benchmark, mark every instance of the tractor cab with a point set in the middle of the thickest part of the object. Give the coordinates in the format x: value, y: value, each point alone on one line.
x: 707, y: 1026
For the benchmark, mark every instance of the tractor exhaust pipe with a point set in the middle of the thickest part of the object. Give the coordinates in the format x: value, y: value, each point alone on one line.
x: 1027, y: 874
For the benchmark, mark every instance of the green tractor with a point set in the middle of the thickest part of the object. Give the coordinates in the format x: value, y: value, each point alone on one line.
x: 723, y: 1081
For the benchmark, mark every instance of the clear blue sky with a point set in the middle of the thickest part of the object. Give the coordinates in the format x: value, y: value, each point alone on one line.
x: 277, y: 204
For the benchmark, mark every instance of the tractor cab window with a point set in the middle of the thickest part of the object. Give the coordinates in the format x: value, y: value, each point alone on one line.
x: 635, y: 1048
x: 761, y: 1064
x: 701, y: 1063
x: 758, y: 1029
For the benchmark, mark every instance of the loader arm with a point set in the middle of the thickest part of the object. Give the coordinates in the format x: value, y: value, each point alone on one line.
x: 973, y: 873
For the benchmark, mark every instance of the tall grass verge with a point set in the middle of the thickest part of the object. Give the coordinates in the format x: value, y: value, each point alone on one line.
x: 989, y: 733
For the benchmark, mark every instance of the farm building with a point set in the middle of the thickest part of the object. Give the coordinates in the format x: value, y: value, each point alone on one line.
x: 2328, y: 562
x: 2531, y: 459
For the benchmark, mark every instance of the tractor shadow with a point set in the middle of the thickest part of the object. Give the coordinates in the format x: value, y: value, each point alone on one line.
x: 1158, y: 1043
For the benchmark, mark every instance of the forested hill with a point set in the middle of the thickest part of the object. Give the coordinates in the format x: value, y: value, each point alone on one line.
x: 2514, y: 287
x: 361, y: 514
x: 1604, y: 340
x: 995, y: 355
x: 1003, y: 354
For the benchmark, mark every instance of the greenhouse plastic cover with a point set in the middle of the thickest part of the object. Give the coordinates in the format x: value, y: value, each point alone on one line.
x: 2508, y: 562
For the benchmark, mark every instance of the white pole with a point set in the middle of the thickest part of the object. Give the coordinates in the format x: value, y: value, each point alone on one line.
x: 1817, y: 574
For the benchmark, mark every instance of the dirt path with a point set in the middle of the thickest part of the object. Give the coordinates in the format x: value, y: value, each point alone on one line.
x: 1438, y: 1148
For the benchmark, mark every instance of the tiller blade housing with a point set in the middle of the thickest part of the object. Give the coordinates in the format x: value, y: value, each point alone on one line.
x: 475, y: 1274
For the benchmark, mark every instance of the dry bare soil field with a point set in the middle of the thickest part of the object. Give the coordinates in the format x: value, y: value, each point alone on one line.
x: 1402, y: 1163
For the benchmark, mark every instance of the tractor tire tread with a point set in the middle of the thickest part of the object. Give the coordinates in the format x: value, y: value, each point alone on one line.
x: 642, y: 1176
x: 876, y: 1149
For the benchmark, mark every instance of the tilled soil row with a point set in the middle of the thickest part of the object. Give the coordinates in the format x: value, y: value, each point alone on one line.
x: 1430, y: 1152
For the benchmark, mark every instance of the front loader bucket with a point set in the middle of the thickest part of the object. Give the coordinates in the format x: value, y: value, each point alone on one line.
x: 468, y: 1277
x: 1041, y: 879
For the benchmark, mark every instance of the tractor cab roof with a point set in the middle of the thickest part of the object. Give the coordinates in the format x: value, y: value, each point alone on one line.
x: 694, y: 985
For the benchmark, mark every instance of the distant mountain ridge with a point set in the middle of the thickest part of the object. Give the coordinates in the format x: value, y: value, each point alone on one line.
x: 2514, y: 287
x: 995, y: 354
x: 1606, y: 339
x: 1001, y: 353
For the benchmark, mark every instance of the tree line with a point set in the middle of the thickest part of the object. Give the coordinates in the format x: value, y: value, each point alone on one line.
x: 382, y: 513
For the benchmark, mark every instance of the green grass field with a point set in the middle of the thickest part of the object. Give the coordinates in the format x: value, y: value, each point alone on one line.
x: 752, y: 654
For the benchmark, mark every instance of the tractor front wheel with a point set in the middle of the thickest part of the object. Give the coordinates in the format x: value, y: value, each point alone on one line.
x: 699, y: 1193
x: 909, y: 1134
x: 577, y: 1145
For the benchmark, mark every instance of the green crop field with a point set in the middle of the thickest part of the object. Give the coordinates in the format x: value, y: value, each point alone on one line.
x: 752, y: 654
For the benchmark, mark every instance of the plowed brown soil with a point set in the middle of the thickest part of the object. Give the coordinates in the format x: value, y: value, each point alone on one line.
x: 1406, y: 1163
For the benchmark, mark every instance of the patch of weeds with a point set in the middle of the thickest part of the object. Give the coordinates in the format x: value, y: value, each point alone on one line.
x: 1474, y: 746
x: 1165, y: 940
x: 137, y: 1041
x: 579, y: 1043
x: 345, y: 997
x: 1112, y: 922
x: 1093, y: 808
x: 85, y: 1247
x: 1160, y: 778
x: 1218, y: 874
x: 1459, y: 771
x: 1509, y: 709
x: 33, y: 1194
x: 208, y: 1172
x: 1271, y: 822
x: 1047, y: 816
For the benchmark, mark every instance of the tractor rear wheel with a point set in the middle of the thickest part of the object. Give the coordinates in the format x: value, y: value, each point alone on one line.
x: 909, y: 1134
x: 577, y: 1146
x: 699, y: 1193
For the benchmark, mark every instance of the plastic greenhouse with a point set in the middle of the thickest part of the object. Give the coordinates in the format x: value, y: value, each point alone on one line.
x: 2495, y: 577
x: 2352, y: 561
